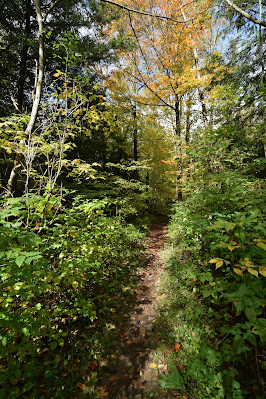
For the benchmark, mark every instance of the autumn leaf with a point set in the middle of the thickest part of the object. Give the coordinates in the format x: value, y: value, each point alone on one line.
x: 153, y: 365
x: 93, y: 365
x: 81, y: 386
x: 262, y: 270
x: 253, y: 271
x: 238, y: 271
x: 176, y: 348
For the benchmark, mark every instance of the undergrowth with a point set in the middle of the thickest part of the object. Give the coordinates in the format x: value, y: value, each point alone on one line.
x: 66, y: 281
x: 215, y: 293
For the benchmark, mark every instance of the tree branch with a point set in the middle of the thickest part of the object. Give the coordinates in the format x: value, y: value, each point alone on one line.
x: 50, y: 9
x: 141, y: 12
x: 245, y: 14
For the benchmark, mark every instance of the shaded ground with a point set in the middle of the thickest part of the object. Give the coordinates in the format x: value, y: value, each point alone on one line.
x: 133, y: 372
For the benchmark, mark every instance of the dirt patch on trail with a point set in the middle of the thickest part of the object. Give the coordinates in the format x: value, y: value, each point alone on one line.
x: 133, y: 372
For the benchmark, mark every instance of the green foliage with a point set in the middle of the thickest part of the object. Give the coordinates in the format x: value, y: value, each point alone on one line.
x: 58, y: 281
x: 222, y: 226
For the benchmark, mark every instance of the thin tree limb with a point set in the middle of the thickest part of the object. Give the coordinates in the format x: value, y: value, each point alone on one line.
x: 142, y: 12
x: 245, y: 14
x: 50, y: 9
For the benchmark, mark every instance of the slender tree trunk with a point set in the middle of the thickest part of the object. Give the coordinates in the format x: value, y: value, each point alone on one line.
x: 201, y: 94
x: 262, y: 69
x: 135, y: 139
x: 24, y: 57
x: 34, y: 111
x: 179, y: 149
x: 188, y: 122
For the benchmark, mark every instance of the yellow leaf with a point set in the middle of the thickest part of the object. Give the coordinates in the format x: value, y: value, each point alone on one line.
x: 262, y: 245
x: 153, y: 366
x: 253, y: 271
x: 231, y: 247
x: 219, y: 264
x: 56, y: 75
x: 214, y: 260
x: 262, y: 270
x: 212, y: 284
x: 75, y: 285
x: 238, y: 271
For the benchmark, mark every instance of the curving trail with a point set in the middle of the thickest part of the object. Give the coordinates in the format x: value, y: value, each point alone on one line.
x: 131, y: 375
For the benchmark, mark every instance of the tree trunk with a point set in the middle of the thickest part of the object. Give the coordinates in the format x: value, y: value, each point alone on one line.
x: 179, y: 149
x: 188, y: 122
x: 201, y: 94
x: 135, y: 140
x: 34, y: 111
x: 262, y: 69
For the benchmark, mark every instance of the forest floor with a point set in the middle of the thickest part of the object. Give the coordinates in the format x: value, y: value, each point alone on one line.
x: 134, y: 369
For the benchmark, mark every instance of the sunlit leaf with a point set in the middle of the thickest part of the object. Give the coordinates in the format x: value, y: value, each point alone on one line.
x: 238, y: 271
x: 214, y: 260
x: 219, y: 264
x: 253, y: 271
x: 262, y: 245
x: 75, y: 285
x: 262, y: 270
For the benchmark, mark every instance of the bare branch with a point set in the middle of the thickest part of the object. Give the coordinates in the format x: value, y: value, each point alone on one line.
x: 245, y: 14
x: 141, y: 12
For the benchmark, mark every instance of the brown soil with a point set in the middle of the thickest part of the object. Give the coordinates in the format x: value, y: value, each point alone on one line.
x: 133, y: 372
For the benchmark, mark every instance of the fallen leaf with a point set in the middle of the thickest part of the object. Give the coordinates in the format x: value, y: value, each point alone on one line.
x: 113, y: 378
x: 176, y: 348
x: 153, y: 365
x: 103, y: 393
x: 93, y: 365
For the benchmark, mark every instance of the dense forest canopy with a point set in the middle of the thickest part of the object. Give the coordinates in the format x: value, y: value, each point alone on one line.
x: 112, y: 112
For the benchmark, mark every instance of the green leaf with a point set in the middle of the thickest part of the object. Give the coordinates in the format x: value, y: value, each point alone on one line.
x: 20, y: 260
x: 173, y: 380
x: 27, y: 386
x: 251, y: 314
x: 25, y: 331
x: 53, y: 345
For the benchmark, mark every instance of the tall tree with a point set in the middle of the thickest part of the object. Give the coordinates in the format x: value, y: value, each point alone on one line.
x: 165, y: 64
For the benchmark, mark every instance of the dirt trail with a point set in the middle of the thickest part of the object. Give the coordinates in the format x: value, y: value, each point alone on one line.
x: 131, y: 375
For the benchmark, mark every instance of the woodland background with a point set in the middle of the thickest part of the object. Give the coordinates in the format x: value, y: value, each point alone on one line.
x: 109, y: 115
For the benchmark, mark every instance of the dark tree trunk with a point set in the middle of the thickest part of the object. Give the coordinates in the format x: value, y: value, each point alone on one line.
x: 179, y: 160
x: 135, y: 140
